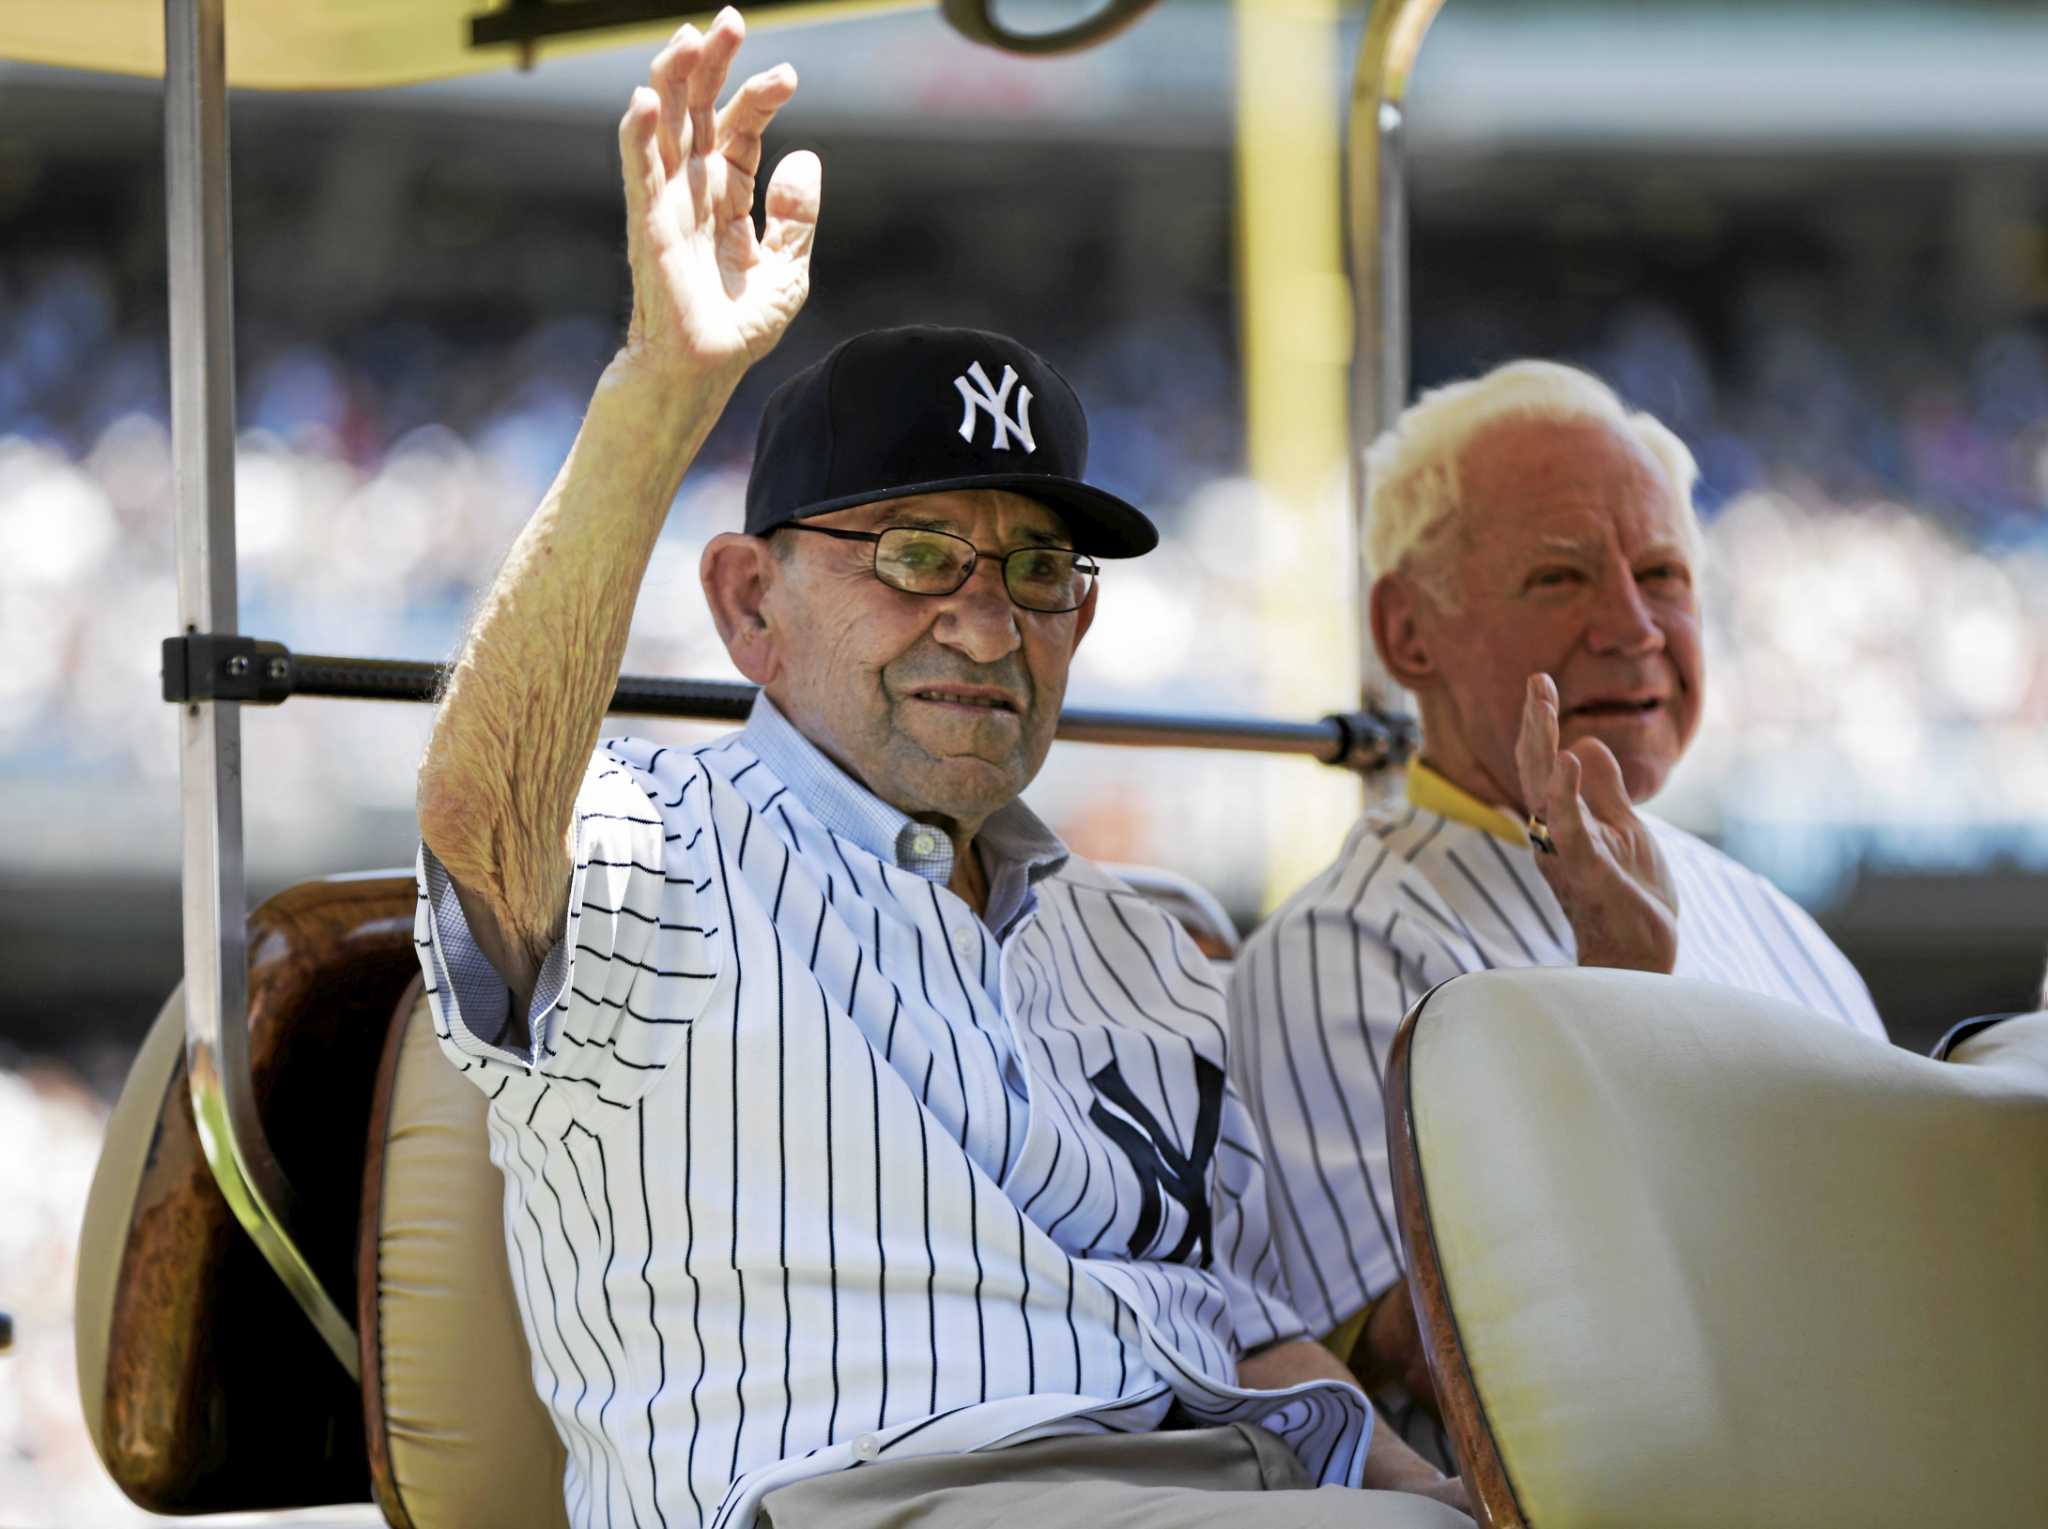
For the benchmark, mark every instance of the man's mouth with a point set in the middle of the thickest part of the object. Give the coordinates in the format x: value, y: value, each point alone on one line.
x: 967, y: 697
x: 1616, y: 706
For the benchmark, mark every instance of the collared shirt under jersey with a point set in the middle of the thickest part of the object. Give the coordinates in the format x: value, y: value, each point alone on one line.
x: 810, y: 1166
x: 1422, y: 891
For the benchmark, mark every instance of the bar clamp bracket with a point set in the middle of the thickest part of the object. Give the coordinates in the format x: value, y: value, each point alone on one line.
x: 1371, y: 741
x: 208, y: 666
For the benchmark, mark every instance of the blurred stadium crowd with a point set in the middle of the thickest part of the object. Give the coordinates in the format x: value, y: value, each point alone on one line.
x: 1875, y: 488
x: 1878, y: 592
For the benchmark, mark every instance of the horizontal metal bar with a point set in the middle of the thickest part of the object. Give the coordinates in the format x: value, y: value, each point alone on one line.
x: 1365, y: 740
x: 1324, y: 739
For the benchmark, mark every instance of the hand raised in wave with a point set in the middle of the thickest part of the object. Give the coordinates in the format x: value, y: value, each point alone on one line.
x: 708, y: 295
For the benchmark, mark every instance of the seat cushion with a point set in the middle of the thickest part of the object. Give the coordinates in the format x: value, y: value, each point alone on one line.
x: 457, y: 1433
x: 1711, y: 1259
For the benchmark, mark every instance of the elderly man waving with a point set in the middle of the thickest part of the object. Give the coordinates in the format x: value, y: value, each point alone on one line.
x: 1537, y: 558
x: 861, y: 1145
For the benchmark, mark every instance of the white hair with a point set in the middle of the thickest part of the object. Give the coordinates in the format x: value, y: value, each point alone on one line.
x: 1412, y: 471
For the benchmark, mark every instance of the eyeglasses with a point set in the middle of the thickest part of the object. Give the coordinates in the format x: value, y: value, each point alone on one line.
x: 923, y: 562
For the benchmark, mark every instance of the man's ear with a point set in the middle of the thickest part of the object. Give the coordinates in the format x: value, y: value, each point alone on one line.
x: 737, y: 572
x: 1397, y: 607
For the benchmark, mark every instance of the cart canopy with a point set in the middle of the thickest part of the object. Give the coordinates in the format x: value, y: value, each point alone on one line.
x: 357, y: 44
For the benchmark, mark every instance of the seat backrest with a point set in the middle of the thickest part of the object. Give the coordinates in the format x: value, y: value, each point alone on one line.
x: 205, y: 1389
x: 458, y: 1437
x: 1686, y: 1256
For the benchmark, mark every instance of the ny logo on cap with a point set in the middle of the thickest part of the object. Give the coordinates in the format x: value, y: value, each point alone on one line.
x: 979, y: 394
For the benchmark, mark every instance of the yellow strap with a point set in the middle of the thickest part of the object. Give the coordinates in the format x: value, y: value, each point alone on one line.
x: 1433, y: 793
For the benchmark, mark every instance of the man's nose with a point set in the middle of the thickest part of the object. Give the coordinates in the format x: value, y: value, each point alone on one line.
x: 978, y: 619
x: 1622, y: 619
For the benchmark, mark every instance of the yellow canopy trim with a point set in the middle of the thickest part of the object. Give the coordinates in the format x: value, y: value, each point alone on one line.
x: 337, y: 44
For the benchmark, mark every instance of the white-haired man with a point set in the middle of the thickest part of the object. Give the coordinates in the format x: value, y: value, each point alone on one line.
x: 1537, y: 556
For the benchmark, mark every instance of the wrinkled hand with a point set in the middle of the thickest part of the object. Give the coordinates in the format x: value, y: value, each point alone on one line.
x: 1607, y: 872
x: 1451, y: 1491
x: 707, y: 294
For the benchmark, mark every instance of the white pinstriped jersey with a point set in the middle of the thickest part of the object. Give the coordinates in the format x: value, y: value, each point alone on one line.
x: 810, y: 1168
x: 1415, y: 897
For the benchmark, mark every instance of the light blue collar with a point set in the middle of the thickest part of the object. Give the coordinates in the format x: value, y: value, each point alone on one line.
x: 1013, y: 839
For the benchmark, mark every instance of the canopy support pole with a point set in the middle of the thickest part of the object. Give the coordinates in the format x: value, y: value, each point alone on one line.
x: 1378, y: 198
x: 210, y: 743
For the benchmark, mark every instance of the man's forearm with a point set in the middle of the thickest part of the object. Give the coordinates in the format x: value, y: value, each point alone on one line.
x: 529, y: 690
x: 1389, y: 1462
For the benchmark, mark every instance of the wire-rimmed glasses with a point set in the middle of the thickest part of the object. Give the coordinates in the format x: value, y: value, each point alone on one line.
x: 921, y: 561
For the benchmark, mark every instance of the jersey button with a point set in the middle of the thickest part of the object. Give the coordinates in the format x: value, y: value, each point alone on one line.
x: 867, y: 1446
x: 964, y: 941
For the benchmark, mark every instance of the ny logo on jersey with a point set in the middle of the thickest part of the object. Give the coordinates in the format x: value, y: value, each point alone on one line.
x: 978, y: 394
x: 1163, y: 1170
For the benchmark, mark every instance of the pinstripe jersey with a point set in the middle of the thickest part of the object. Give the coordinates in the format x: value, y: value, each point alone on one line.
x: 809, y: 1167
x: 1423, y: 891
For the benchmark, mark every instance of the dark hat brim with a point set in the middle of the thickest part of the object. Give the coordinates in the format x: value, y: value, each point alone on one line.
x: 1101, y: 524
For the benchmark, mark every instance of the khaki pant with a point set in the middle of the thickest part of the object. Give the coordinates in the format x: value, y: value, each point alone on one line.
x: 1178, y: 1480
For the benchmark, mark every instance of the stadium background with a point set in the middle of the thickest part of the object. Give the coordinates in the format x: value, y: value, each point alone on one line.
x: 1812, y: 238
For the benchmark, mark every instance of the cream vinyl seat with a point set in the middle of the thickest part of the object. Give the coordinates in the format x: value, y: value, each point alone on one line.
x: 458, y: 1438
x: 1686, y: 1256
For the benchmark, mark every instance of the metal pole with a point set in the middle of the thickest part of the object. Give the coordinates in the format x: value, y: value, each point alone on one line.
x: 210, y: 751
x: 1379, y: 267
x: 1378, y: 405
x: 1363, y: 741
x: 1391, y: 393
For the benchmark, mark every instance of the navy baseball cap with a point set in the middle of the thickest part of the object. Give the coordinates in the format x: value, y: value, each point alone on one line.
x: 927, y: 410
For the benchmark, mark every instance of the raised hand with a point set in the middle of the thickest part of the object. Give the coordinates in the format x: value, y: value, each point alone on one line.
x: 1608, y: 872
x: 707, y: 294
